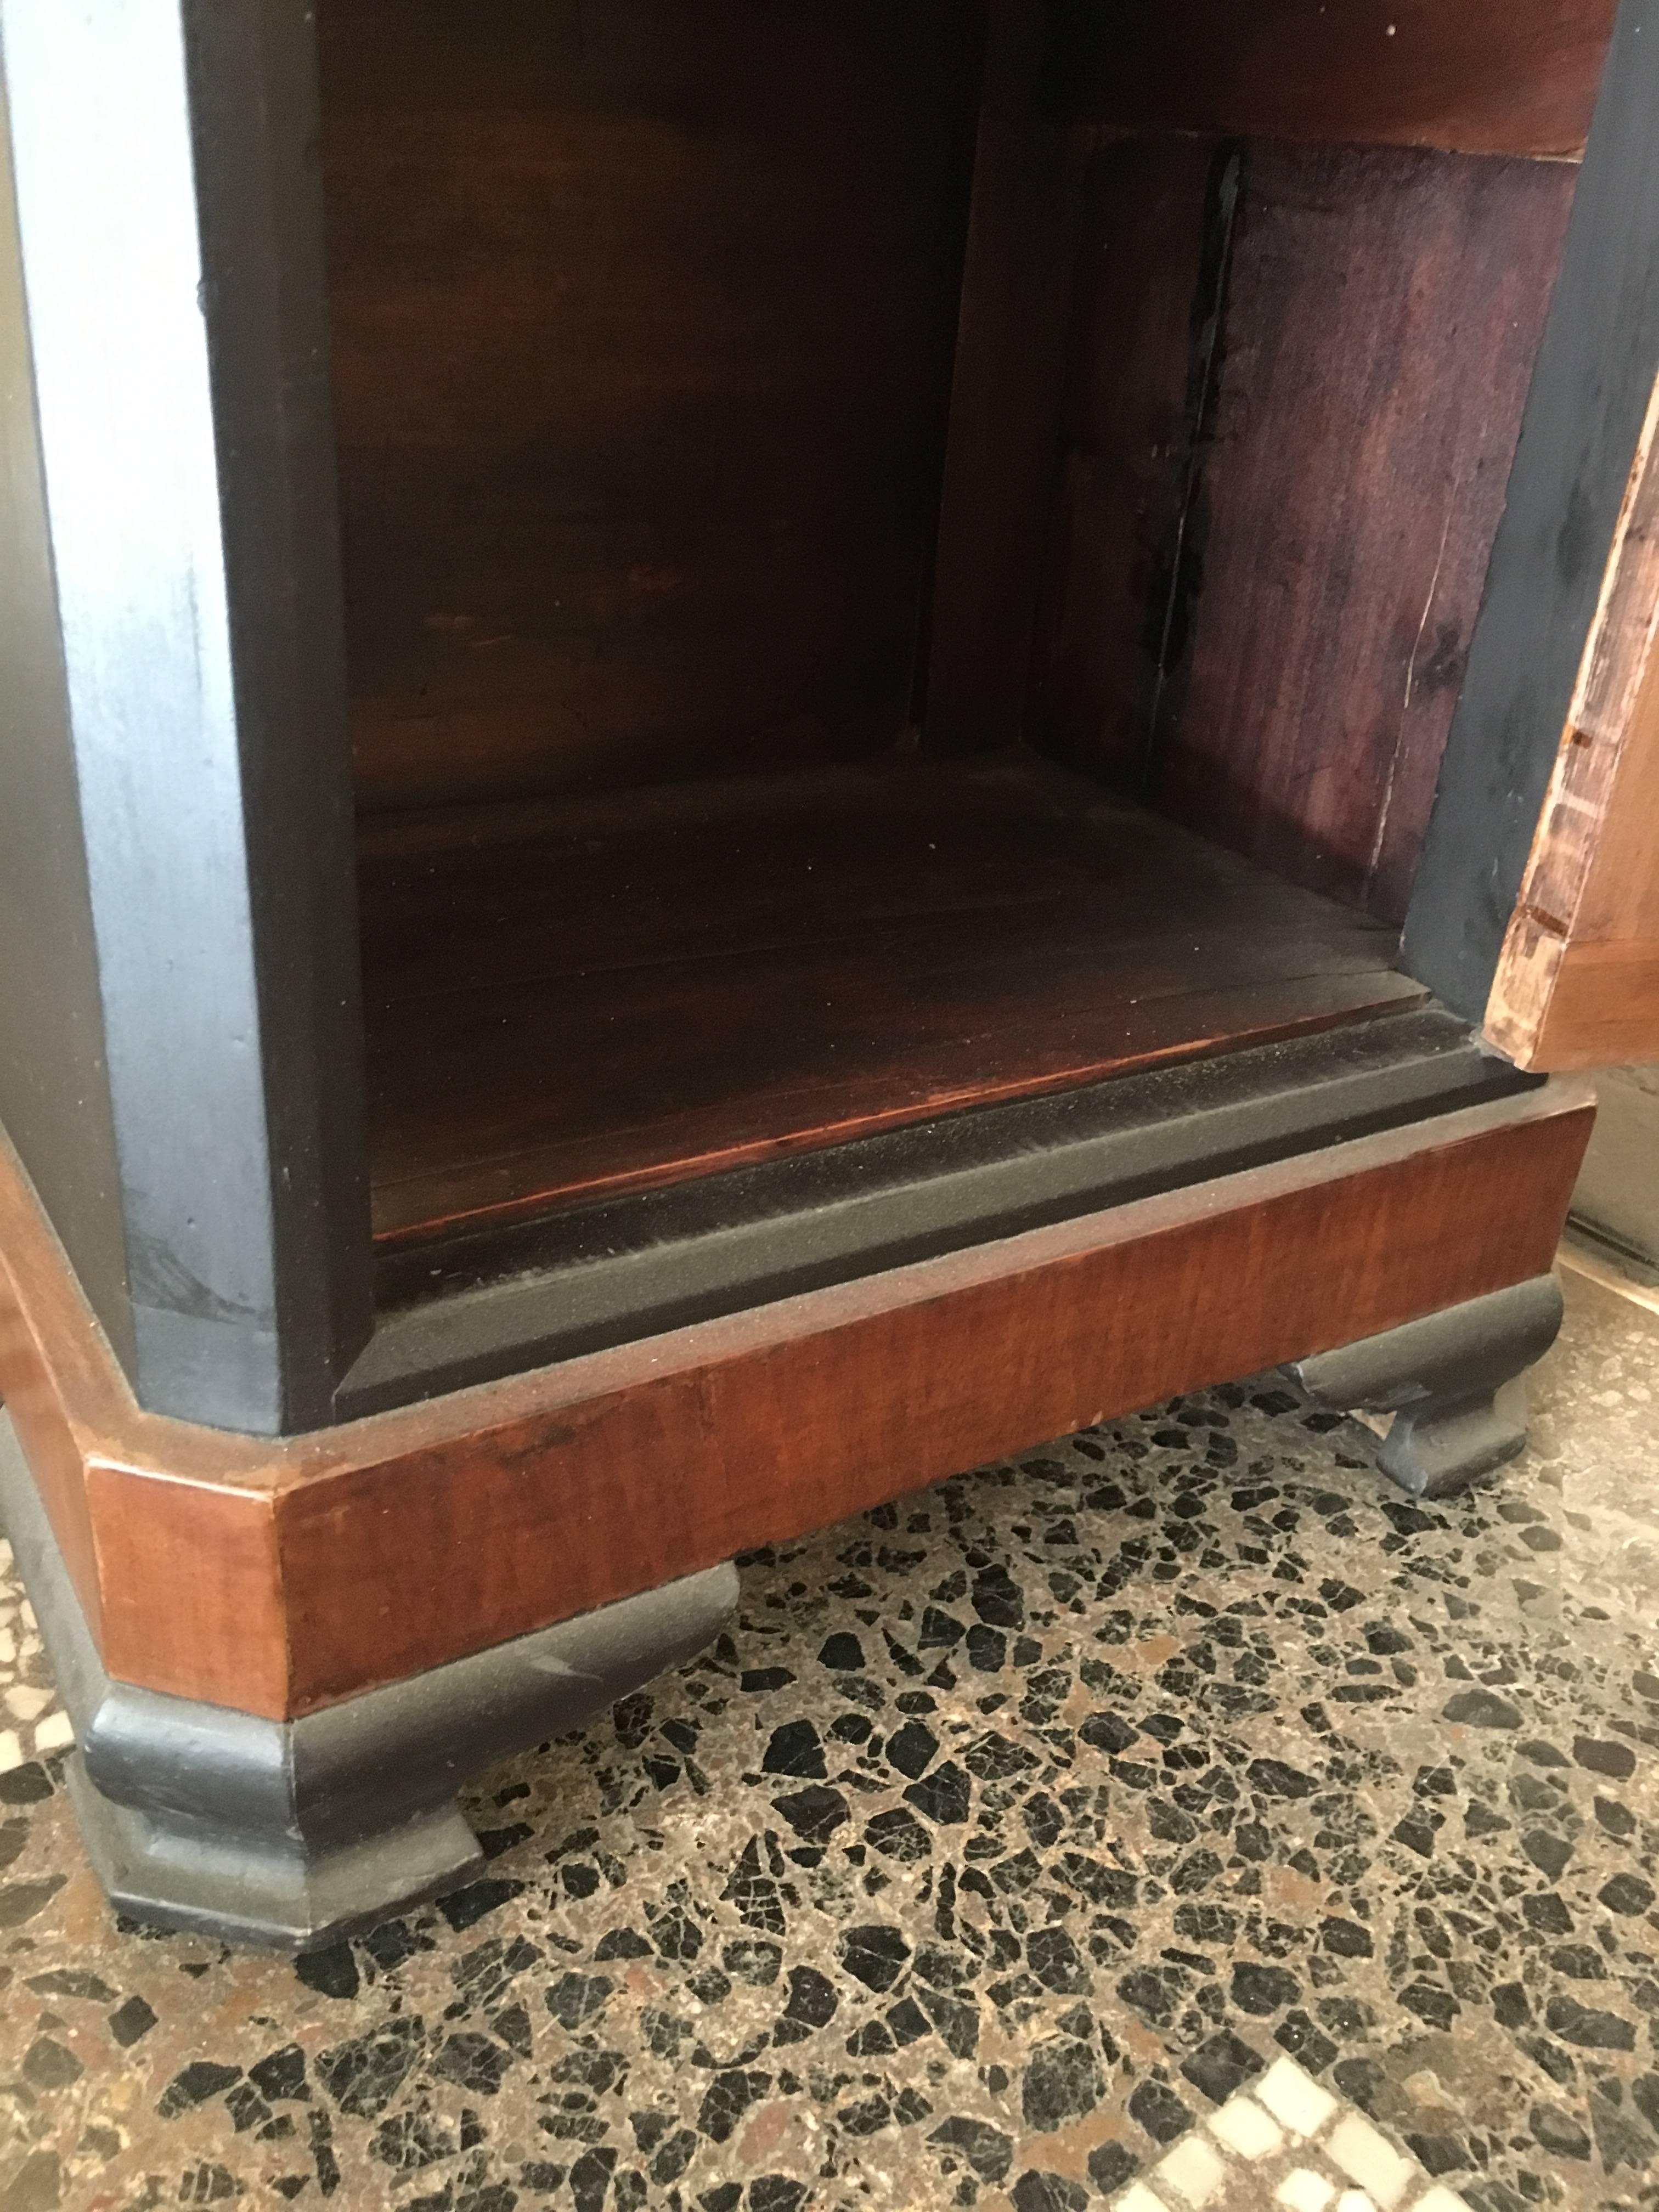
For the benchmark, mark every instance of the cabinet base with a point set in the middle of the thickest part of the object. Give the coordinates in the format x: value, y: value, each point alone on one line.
x: 1454, y: 1383
x: 275, y: 1890
x: 298, y: 1834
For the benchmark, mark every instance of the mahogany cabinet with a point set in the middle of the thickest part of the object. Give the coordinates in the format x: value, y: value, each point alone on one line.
x: 752, y: 748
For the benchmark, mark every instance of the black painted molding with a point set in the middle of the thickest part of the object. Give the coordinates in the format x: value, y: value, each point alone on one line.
x: 54, y: 1085
x: 593, y: 1277
x: 169, y: 217
x: 297, y: 1834
x: 1454, y: 1383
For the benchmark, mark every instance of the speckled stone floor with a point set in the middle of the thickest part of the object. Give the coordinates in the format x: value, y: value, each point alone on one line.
x: 1011, y: 1833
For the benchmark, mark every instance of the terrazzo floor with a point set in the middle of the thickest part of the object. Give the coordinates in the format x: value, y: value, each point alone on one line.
x: 1175, y: 1817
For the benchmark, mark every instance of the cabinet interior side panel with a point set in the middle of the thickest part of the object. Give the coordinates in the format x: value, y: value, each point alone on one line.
x: 1289, y: 435
x: 643, y: 320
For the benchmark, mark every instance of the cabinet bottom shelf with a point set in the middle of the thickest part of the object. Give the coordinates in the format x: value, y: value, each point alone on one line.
x: 570, y: 1001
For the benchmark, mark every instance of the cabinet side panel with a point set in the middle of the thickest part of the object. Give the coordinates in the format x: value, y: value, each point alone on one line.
x: 54, y: 1086
x: 160, y: 215
x: 1583, y: 426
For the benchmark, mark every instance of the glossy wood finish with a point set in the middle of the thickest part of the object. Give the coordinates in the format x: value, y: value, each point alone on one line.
x: 1479, y: 76
x: 633, y: 990
x: 1578, y: 983
x: 298, y: 1573
x: 1296, y: 391
x: 643, y: 324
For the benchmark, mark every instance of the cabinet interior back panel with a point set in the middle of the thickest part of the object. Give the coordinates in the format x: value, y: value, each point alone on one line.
x: 1479, y: 76
x: 1297, y: 383
x: 643, y: 320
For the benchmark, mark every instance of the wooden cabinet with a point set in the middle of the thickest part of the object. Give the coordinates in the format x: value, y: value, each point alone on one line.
x: 750, y: 749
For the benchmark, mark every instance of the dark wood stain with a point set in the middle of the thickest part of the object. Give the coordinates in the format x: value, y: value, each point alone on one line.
x: 1141, y: 306
x: 1472, y: 77
x: 1296, y: 599
x: 1002, y: 455
x: 620, y: 993
x: 1383, y: 312
x: 643, y: 320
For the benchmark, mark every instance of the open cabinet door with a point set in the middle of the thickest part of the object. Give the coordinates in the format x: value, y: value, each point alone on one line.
x: 1577, y: 980
x: 1535, y: 912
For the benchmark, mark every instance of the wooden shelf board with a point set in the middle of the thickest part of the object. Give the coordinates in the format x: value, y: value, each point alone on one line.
x: 570, y: 1000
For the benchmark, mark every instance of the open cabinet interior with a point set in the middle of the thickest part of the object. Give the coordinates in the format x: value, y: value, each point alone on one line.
x: 902, y: 555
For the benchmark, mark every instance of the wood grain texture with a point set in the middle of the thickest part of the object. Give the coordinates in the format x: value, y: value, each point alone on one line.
x: 1147, y: 297
x: 1383, y: 312
x: 618, y: 994
x: 54, y: 1362
x: 643, y: 318
x: 1006, y: 396
x: 1577, y: 982
x: 755, y: 1429
x: 168, y: 1530
x: 275, y: 1578
x: 1481, y: 76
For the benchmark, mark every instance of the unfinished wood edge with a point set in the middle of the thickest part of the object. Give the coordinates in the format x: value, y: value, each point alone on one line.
x: 1600, y: 1009
x: 1528, y: 968
x: 1615, y: 706
x: 1620, y: 642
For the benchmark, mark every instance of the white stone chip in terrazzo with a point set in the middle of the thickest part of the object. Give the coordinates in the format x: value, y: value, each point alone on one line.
x: 1193, y: 2171
x: 26, y: 1704
x: 11, y: 1750
x: 1192, y: 2178
x: 55, y: 1733
x: 1243, y: 2126
x: 1295, y: 2099
x: 1369, y: 2158
x: 1302, y: 2191
x: 1139, y: 2198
